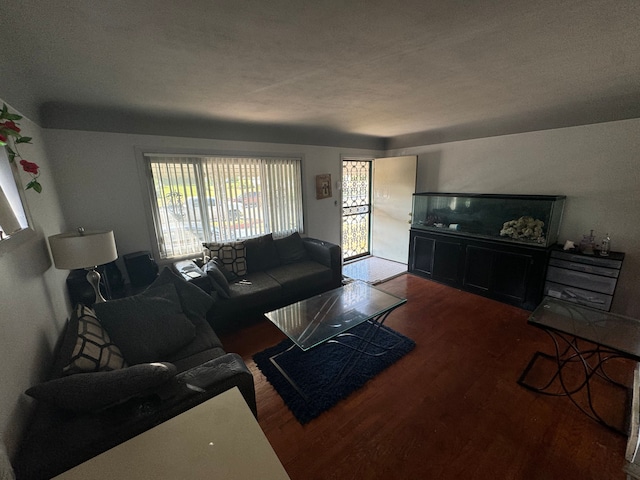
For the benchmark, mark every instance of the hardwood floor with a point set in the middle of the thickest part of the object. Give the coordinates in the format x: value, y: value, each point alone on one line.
x: 450, y: 409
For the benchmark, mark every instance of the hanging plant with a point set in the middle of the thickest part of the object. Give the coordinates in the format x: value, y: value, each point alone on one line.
x: 10, y: 138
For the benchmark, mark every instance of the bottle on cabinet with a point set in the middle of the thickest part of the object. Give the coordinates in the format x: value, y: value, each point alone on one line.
x: 605, y: 246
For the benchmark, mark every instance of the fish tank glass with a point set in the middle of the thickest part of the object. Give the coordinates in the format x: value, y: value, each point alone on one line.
x: 526, y: 219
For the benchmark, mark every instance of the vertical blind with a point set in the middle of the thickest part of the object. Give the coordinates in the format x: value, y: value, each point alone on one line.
x: 200, y: 199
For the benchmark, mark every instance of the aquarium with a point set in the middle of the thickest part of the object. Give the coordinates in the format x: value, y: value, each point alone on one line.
x: 524, y: 219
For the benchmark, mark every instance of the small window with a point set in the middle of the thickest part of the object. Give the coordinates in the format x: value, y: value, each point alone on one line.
x: 13, y: 217
x: 200, y: 199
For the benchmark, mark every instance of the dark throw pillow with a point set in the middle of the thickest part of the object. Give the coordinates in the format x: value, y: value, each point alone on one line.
x: 218, y: 280
x: 291, y: 249
x: 261, y: 253
x: 147, y: 327
x: 228, y: 274
x: 193, y: 300
x: 93, y: 351
x: 88, y: 392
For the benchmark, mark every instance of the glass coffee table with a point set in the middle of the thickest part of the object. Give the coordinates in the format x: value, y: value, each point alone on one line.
x: 329, y: 316
x: 587, y: 338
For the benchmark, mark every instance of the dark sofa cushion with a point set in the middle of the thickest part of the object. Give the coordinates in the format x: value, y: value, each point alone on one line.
x: 297, y: 277
x: 263, y: 290
x: 93, y: 351
x: 87, y: 392
x: 206, y: 343
x: 218, y: 279
x: 147, y: 327
x: 291, y: 249
x: 228, y: 274
x: 261, y: 253
x: 193, y: 300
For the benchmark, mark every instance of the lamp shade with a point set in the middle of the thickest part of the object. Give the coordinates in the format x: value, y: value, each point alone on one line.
x: 82, y: 249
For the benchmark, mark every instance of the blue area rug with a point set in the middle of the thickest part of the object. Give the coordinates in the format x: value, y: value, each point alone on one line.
x: 315, y: 371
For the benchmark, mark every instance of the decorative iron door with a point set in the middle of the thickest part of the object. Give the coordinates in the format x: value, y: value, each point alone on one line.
x: 356, y: 208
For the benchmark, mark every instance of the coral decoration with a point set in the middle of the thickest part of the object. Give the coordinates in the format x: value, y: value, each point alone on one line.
x: 524, y: 228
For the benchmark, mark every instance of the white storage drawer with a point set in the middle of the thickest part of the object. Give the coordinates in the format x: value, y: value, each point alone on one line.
x: 576, y: 295
x: 587, y: 281
x: 584, y: 267
x: 588, y: 259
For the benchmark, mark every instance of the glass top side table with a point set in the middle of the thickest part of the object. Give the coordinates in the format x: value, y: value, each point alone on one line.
x: 585, y: 341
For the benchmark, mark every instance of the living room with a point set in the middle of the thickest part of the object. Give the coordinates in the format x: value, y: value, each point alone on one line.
x: 91, y: 164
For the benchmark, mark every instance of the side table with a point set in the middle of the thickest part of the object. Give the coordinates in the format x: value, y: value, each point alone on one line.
x: 585, y: 341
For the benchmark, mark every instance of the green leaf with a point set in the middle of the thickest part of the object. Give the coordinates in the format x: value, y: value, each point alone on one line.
x: 23, y: 140
x: 35, y: 185
x: 8, y: 131
x: 10, y: 153
x: 12, y: 116
x: 5, y: 109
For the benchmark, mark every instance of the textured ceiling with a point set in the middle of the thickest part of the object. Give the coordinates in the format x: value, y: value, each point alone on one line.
x: 414, y: 71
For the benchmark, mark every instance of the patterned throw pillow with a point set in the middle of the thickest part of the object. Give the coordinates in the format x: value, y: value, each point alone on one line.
x: 93, y: 351
x: 232, y: 254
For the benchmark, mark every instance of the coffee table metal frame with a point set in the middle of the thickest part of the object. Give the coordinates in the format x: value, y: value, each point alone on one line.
x: 329, y: 317
x: 587, y: 337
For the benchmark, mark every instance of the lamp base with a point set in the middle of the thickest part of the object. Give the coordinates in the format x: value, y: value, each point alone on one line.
x: 93, y: 277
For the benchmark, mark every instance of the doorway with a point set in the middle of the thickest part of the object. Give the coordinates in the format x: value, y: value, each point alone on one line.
x: 376, y: 210
x: 356, y: 208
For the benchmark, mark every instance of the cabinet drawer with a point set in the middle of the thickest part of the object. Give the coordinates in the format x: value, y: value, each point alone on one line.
x: 577, y: 295
x: 588, y: 260
x: 584, y: 267
x: 587, y: 281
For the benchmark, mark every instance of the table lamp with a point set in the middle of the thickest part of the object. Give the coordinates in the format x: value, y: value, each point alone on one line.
x: 86, y: 250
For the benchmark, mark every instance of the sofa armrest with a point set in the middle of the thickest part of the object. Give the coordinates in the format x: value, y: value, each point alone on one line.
x: 57, y: 440
x: 328, y: 254
x: 192, y: 273
x: 221, y: 374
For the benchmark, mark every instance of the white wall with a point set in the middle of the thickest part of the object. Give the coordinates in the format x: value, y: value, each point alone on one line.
x: 99, y: 179
x: 33, y: 305
x: 596, y: 166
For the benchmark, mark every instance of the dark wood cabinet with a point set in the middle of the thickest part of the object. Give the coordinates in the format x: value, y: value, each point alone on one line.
x: 507, y: 272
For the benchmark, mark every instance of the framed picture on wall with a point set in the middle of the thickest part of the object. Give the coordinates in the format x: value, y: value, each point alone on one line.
x: 323, y: 186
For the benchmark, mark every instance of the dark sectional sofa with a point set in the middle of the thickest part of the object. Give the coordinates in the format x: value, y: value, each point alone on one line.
x: 123, y: 368
x: 130, y: 364
x: 254, y: 276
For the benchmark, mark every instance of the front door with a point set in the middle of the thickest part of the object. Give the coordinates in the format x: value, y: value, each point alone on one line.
x: 356, y: 208
x: 394, y: 183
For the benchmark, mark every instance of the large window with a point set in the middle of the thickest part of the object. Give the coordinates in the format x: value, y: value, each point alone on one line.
x: 199, y: 199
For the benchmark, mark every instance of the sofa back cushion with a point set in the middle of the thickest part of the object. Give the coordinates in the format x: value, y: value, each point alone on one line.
x: 194, y: 301
x: 291, y: 249
x: 147, y: 327
x: 261, y: 253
